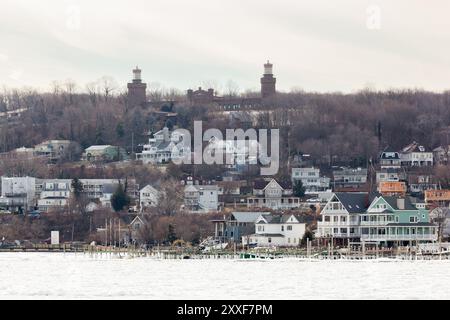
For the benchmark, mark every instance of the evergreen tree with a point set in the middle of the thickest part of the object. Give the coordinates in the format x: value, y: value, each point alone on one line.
x: 169, y: 124
x: 308, y: 235
x: 119, y: 199
x: 171, y: 235
x: 120, y: 131
x: 77, y: 188
x: 299, y: 190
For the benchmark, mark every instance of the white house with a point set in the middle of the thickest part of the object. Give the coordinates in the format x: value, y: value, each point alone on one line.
x: 18, y: 192
x: 102, y: 189
x: 389, y: 175
x: 276, y: 230
x: 416, y: 155
x: 52, y: 149
x: 201, y: 198
x: 148, y: 197
x: 442, y: 154
x: 163, y: 147
x: 340, y: 216
x: 390, y: 159
x: 273, y: 194
x: 234, y: 152
x: 55, y: 194
x: 311, y: 179
x: 349, y: 177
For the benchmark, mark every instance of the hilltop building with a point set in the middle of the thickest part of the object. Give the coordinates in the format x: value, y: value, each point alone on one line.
x: 268, y: 82
x: 137, y: 89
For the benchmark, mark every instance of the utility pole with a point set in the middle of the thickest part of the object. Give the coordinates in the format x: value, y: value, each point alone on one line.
x: 132, y: 145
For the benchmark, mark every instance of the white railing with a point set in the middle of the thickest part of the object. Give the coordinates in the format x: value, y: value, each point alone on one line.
x: 406, y: 237
x: 375, y: 223
x: 339, y: 235
x: 338, y: 224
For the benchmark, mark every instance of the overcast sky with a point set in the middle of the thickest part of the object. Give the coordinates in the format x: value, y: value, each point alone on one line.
x: 316, y: 45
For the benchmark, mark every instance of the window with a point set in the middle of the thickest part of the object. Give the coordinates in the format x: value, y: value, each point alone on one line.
x: 282, y: 228
x: 269, y: 240
x: 412, y: 219
x: 289, y: 228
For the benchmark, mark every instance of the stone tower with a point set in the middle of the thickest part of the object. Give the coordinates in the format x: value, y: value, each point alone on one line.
x: 268, y: 81
x: 136, y: 89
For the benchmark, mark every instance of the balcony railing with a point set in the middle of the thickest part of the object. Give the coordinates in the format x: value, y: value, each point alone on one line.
x: 375, y: 223
x: 405, y: 237
x: 339, y: 223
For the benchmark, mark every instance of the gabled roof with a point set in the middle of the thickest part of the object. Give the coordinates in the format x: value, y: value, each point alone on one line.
x: 247, y: 217
x: 98, y: 147
x: 128, y: 218
x: 261, y: 184
x: 414, y: 147
x: 354, y: 202
x: 389, y: 150
x: 149, y: 187
x: 392, y: 201
x: 279, y: 218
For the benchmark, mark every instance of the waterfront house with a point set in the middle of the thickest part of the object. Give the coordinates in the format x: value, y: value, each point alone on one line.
x: 341, y: 215
x: 276, y: 230
x: 237, y: 225
x: 396, y: 221
x: 390, y: 220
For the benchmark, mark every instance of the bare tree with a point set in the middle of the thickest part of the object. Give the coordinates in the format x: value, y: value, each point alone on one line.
x: 170, y: 198
x: 108, y: 85
x: 440, y: 217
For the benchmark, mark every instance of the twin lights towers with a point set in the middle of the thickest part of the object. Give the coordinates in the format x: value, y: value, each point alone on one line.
x: 137, y: 88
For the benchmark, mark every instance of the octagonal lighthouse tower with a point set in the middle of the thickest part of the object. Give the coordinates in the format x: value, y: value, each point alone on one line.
x: 268, y: 81
x: 137, y: 89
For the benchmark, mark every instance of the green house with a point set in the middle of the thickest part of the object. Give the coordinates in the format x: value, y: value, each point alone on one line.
x: 396, y: 220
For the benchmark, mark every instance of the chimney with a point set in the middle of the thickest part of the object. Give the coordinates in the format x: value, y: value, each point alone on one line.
x: 401, y: 203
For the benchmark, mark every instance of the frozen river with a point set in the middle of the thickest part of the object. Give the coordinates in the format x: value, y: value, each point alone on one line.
x: 78, y: 276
